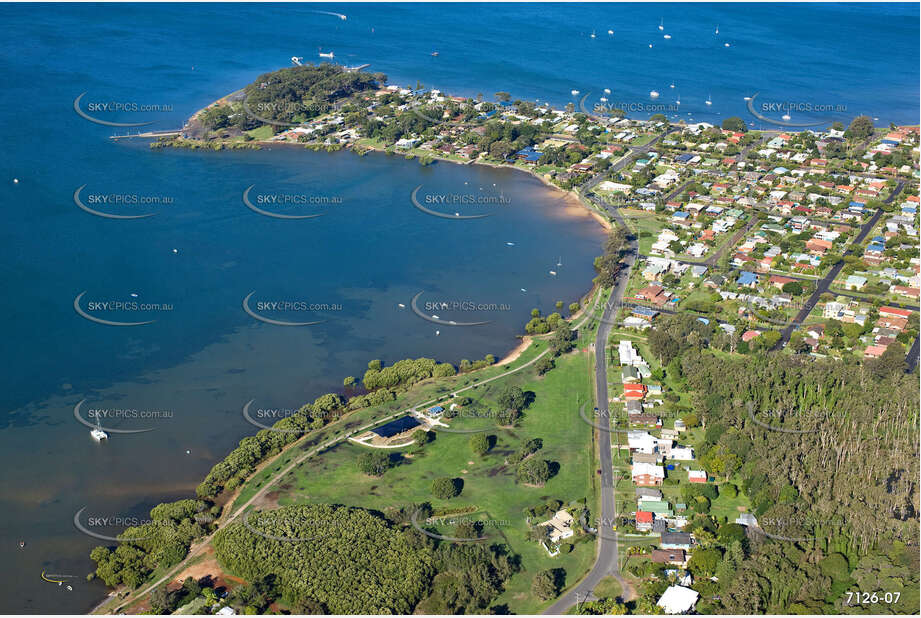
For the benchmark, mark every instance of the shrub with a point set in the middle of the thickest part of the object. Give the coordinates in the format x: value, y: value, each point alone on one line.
x: 445, y: 487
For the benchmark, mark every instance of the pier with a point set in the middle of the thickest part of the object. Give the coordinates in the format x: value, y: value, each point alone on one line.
x: 147, y: 134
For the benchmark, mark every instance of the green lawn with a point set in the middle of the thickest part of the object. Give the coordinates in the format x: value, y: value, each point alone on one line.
x: 645, y: 223
x: 607, y: 588
x: 262, y: 133
x: 489, y: 485
x: 423, y: 392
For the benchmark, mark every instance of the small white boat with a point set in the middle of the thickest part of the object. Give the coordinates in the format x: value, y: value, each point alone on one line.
x: 610, y: 32
x: 662, y: 24
x: 560, y: 261
x: 574, y: 92
x: 653, y: 94
x: 510, y: 244
x: 437, y: 332
x: 667, y: 36
x: 435, y: 316
x: 329, y: 55
x: 650, y: 46
x: 671, y: 85
x: 708, y: 101
x: 434, y: 54
x: 553, y: 272
x: 603, y: 99
x: 717, y: 30
x: 747, y: 98
x: 175, y: 250
x: 99, y: 435
x: 523, y: 290
x: 607, y: 91
x: 592, y: 35
x: 725, y: 44
x: 134, y: 295
x: 401, y: 305
x: 785, y: 117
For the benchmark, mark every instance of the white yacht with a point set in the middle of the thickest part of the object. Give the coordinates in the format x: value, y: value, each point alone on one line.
x: 98, y: 434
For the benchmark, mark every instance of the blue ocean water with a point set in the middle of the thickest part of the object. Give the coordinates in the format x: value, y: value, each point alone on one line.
x: 205, y: 358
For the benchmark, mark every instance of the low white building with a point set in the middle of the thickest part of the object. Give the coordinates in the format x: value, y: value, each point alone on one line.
x: 629, y: 355
x: 560, y: 526
x: 678, y: 600
x: 682, y: 453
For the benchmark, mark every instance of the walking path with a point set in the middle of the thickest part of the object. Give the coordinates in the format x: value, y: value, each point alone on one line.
x: 231, y: 515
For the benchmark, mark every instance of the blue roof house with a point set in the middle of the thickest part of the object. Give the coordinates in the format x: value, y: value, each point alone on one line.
x: 747, y: 279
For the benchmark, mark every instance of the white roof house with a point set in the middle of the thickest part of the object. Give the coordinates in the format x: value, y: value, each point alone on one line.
x: 628, y: 355
x: 560, y: 526
x: 615, y: 187
x: 647, y: 469
x: 678, y: 600
x: 641, y: 441
x: 682, y: 453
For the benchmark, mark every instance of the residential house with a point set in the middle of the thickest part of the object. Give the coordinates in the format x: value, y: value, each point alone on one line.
x: 644, y: 521
x: 647, y: 475
x: 677, y: 557
x: 676, y: 540
x: 678, y: 600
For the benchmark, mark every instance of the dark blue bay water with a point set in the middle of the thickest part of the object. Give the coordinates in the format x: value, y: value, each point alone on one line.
x: 202, y: 360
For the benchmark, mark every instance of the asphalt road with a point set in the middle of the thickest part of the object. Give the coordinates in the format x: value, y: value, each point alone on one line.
x: 606, y: 562
x: 823, y: 284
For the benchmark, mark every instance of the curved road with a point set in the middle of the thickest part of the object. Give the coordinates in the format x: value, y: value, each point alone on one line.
x: 607, y: 558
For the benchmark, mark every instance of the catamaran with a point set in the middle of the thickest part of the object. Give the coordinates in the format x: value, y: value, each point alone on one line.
x: 97, y: 433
